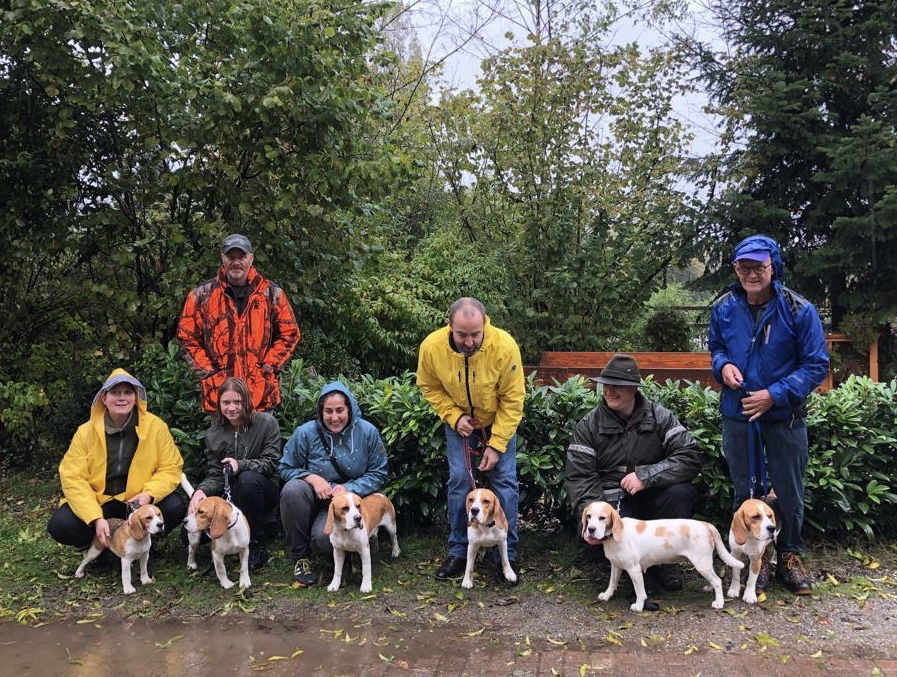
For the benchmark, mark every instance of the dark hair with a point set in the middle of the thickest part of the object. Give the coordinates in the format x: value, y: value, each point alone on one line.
x: 236, y: 385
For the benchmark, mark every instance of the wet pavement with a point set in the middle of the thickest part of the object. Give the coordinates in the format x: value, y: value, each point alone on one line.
x: 101, y: 646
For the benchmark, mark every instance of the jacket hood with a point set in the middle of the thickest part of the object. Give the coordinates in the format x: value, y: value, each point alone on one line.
x: 762, y: 242
x: 116, y: 377
x: 354, y: 409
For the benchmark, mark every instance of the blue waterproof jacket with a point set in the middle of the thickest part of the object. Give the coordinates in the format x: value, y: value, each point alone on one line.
x: 783, y: 352
x: 358, y: 450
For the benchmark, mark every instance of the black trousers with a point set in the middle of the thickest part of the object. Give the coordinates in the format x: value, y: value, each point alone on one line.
x: 66, y: 528
x: 256, y: 495
x: 674, y: 501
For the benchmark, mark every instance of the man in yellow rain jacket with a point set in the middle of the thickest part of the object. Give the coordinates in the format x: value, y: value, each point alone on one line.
x: 122, y: 455
x: 471, y: 374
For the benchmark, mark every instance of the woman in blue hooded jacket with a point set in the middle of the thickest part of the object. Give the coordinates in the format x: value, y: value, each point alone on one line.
x: 338, y: 451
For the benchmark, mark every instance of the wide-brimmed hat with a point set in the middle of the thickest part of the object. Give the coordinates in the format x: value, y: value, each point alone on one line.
x: 621, y: 370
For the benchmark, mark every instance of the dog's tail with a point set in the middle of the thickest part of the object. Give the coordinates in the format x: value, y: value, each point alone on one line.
x: 724, y: 554
x: 186, y: 486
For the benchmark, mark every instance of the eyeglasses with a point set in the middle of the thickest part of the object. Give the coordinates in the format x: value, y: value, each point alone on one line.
x: 758, y: 269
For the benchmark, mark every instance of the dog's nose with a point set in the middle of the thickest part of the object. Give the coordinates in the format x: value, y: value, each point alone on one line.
x: 184, y: 521
x: 591, y: 530
x: 357, y: 519
x: 771, y: 529
x: 474, y: 511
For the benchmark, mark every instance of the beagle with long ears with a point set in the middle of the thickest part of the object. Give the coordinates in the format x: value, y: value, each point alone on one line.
x: 129, y: 539
x: 634, y: 545
x: 227, y: 528
x: 352, y: 522
x: 753, y: 527
x: 487, y: 525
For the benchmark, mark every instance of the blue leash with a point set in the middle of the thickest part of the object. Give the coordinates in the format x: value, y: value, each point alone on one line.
x: 756, y: 458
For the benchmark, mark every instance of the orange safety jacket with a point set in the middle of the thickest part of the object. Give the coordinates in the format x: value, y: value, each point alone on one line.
x: 217, y: 342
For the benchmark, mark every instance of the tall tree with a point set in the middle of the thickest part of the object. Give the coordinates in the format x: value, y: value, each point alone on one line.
x: 810, y: 100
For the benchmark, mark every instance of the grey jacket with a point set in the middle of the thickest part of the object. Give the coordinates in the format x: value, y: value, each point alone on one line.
x: 256, y: 447
x: 652, y: 443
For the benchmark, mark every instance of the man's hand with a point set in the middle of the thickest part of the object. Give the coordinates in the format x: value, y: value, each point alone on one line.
x: 338, y: 489
x: 732, y: 376
x: 632, y: 484
x: 320, y: 485
x: 757, y: 403
x: 465, y: 425
x: 140, y: 500
x: 198, y: 496
x: 490, y: 458
x: 101, y: 531
x: 232, y: 462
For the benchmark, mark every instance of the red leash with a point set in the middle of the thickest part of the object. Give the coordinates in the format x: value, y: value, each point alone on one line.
x: 473, y: 451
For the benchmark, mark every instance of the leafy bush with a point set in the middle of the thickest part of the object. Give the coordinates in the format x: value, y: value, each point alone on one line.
x: 668, y: 329
x: 853, y: 448
x: 22, y: 409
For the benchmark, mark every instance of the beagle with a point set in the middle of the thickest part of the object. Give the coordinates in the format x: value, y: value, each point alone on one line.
x: 352, y: 522
x: 486, y: 526
x: 635, y: 545
x: 753, y: 527
x: 129, y: 539
x: 226, y: 526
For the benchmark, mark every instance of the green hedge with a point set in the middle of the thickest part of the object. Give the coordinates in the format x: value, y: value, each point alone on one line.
x: 853, y: 448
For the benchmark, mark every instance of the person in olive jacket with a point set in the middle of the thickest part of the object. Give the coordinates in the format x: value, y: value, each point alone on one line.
x: 634, y: 454
x: 247, y: 444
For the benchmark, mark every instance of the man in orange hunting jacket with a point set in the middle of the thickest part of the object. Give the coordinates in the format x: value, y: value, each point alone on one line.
x: 238, y: 324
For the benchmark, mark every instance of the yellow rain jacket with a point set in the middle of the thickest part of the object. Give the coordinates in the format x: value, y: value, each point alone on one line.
x: 155, y: 469
x: 488, y: 386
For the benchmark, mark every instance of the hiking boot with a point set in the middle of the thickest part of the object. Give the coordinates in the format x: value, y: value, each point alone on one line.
x: 763, y: 576
x: 452, y: 567
x: 792, y: 573
x: 303, y: 573
x: 669, y: 576
x: 258, y: 556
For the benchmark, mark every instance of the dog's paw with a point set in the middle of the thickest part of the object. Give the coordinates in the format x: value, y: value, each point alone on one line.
x: 510, y: 576
x: 227, y: 584
x: 79, y: 573
x: 130, y: 590
x: 467, y: 583
x: 717, y: 605
x: 191, y: 566
x: 749, y: 596
x: 396, y: 552
x: 366, y: 587
x: 733, y: 592
x: 637, y: 606
x: 333, y: 587
x: 245, y: 583
x: 147, y: 580
x: 604, y: 596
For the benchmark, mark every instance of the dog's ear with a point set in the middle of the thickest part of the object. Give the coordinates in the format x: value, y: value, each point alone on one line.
x: 328, y: 525
x: 498, y: 514
x: 617, y: 522
x: 739, y: 527
x: 135, y: 526
x: 218, y: 523
x: 584, y: 520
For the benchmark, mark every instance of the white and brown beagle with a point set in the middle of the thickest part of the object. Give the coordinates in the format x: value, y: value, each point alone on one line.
x: 129, y: 539
x: 753, y: 527
x: 352, y: 522
x: 487, y: 525
x: 634, y: 545
x: 226, y: 526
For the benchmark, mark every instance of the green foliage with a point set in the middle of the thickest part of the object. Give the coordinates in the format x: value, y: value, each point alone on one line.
x: 862, y: 329
x: 807, y: 93
x: 668, y: 329
x: 22, y: 410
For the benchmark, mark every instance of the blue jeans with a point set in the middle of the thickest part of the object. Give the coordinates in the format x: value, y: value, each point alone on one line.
x: 786, y: 465
x: 502, y: 480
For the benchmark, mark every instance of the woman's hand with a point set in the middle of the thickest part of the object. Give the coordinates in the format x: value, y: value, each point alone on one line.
x: 198, y: 496
x: 101, y: 531
x: 232, y: 462
x: 320, y: 485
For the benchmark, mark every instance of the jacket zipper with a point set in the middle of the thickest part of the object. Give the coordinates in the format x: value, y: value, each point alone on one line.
x: 467, y: 385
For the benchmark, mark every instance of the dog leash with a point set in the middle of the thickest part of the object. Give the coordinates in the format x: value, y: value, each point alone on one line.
x: 228, y: 474
x: 470, y: 450
x: 756, y: 458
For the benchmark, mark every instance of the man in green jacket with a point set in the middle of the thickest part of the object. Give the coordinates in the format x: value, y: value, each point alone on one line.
x: 634, y: 454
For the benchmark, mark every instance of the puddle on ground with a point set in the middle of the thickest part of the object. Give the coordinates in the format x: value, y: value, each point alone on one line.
x: 225, y: 646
